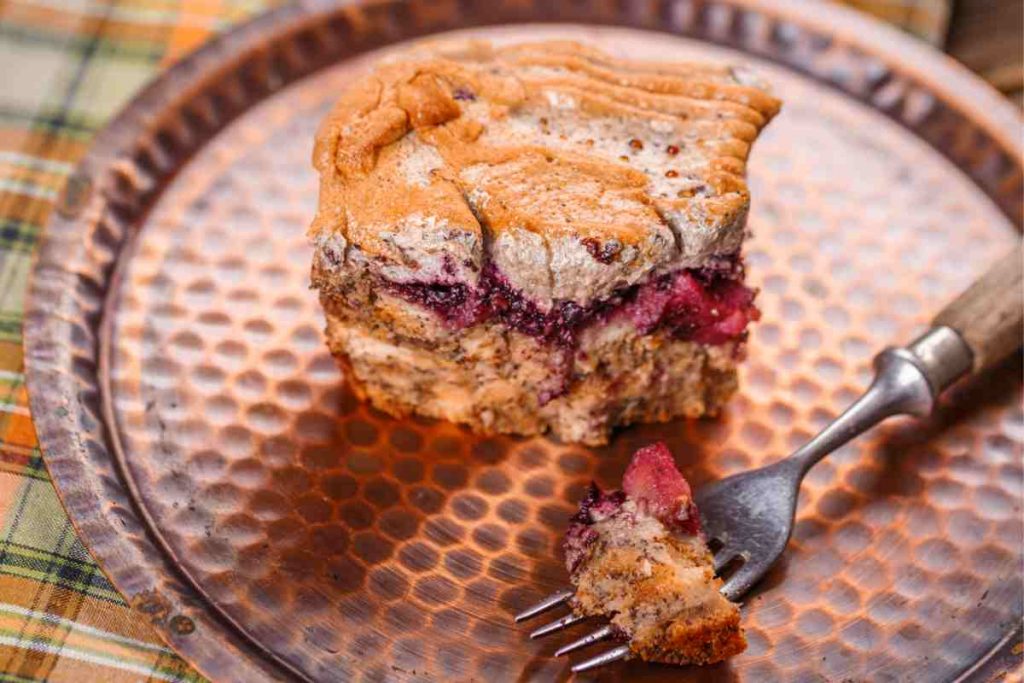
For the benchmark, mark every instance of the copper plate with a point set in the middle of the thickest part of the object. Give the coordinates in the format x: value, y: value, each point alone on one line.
x: 270, y: 526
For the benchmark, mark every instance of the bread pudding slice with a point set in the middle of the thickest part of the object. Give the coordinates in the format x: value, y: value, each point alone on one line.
x: 537, y: 237
x: 639, y: 557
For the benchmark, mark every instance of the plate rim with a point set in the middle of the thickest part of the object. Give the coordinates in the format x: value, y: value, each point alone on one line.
x: 110, y: 190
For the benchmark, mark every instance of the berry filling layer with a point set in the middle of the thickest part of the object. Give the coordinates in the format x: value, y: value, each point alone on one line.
x: 706, y: 305
x: 656, y: 489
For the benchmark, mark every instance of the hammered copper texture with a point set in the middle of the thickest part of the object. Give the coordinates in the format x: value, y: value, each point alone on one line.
x: 344, y: 544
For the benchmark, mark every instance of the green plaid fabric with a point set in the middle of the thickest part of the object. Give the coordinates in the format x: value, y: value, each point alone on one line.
x: 65, y: 67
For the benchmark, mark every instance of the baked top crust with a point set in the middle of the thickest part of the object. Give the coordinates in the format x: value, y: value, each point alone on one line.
x: 639, y: 557
x: 573, y: 172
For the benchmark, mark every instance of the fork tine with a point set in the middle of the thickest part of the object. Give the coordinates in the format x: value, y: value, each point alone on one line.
x: 613, y: 655
x: 553, y: 600
x: 557, y: 625
x: 740, y: 582
x: 723, y: 558
x: 589, y: 639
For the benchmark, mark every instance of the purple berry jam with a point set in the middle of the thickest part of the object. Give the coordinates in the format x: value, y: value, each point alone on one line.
x: 580, y: 535
x: 655, y: 486
x: 707, y: 305
x: 693, y: 306
x: 455, y: 303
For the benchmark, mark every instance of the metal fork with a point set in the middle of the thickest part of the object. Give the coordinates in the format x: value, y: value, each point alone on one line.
x: 749, y: 516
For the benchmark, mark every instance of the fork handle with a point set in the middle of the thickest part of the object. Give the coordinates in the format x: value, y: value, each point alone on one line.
x: 989, y: 315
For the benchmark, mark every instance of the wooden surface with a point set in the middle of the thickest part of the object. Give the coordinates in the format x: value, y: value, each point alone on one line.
x: 988, y: 37
x: 926, y: 19
x: 989, y: 314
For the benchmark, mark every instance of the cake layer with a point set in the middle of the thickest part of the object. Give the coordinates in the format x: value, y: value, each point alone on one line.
x: 496, y: 380
x: 574, y: 174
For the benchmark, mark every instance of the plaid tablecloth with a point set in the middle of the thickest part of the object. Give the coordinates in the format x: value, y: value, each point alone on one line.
x: 65, y: 67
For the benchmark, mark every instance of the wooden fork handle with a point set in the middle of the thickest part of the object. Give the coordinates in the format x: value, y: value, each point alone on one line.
x: 989, y: 315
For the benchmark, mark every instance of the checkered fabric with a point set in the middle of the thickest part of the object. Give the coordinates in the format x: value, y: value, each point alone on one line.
x: 65, y: 67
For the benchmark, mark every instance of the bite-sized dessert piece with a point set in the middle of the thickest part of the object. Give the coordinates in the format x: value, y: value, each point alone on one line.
x: 538, y: 237
x: 638, y: 556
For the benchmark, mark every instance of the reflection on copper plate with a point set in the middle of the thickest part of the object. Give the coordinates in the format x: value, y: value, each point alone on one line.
x: 267, y: 522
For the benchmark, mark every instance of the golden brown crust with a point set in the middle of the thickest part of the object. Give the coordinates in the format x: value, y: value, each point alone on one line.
x: 699, y: 639
x: 536, y: 148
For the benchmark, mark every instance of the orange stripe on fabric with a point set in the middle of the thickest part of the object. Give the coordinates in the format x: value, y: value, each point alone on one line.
x: 25, y: 209
x: 60, y: 22
x: 37, y: 177
x: 9, y: 485
x: 33, y: 142
x: 11, y: 355
x: 204, y: 17
x: 38, y: 627
x: 66, y: 670
x: 120, y: 620
x: 20, y: 432
x: 182, y: 38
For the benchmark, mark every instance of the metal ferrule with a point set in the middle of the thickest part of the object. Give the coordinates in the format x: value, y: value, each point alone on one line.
x: 943, y: 356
